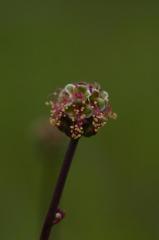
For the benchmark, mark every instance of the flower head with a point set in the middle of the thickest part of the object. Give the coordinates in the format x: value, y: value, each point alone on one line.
x: 80, y: 109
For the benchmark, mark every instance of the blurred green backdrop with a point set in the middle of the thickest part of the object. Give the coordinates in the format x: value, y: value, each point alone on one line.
x: 113, y: 188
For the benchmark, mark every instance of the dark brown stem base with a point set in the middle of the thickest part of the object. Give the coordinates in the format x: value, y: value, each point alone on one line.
x: 48, y: 223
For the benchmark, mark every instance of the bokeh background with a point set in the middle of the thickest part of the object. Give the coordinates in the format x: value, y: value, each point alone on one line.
x: 113, y: 187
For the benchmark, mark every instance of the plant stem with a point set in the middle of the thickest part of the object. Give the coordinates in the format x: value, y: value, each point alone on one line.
x: 48, y: 223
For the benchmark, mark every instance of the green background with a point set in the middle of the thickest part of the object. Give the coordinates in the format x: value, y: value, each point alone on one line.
x: 112, y: 190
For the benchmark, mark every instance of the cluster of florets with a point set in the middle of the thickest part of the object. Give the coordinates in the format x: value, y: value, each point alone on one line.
x: 80, y: 109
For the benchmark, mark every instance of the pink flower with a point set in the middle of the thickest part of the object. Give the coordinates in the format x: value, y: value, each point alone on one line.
x: 80, y: 109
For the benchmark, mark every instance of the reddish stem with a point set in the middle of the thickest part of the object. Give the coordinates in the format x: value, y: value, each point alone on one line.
x: 48, y: 223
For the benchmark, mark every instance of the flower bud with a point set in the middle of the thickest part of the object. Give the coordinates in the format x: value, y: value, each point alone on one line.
x: 80, y: 109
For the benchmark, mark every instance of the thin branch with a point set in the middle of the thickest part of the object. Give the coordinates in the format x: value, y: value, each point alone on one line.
x: 49, y: 220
